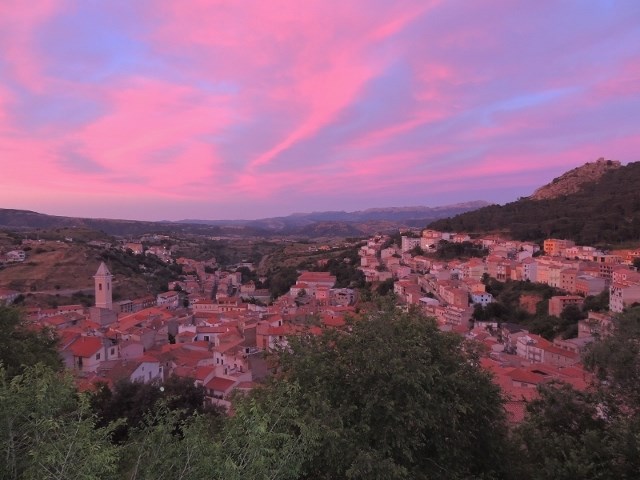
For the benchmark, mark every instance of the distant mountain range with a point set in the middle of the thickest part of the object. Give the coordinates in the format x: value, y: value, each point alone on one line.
x: 390, y: 214
x: 595, y: 204
x: 309, y: 225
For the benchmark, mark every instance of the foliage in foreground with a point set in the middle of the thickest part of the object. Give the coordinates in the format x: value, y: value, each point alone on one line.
x: 22, y: 346
x: 396, y: 398
x: 595, y: 434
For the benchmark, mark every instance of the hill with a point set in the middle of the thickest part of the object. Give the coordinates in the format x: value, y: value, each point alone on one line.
x: 605, y: 209
x: 573, y: 180
x: 308, y: 225
x: 355, y: 218
x: 28, y: 220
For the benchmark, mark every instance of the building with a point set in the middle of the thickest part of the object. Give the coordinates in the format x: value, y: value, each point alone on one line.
x: 170, y: 299
x: 588, y: 285
x: 7, y: 297
x: 558, y: 303
x: 409, y: 243
x: 481, y: 298
x: 555, y: 247
x: 103, y: 287
x: 622, y: 295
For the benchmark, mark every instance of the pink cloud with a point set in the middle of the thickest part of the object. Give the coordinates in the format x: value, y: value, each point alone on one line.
x: 325, y: 47
x: 19, y: 21
x: 148, y: 118
x: 275, y: 102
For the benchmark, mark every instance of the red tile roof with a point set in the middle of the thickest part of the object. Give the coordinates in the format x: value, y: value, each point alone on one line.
x: 220, y: 384
x: 85, y: 346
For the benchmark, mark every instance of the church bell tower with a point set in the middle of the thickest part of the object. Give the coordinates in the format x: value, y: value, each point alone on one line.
x: 103, y: 290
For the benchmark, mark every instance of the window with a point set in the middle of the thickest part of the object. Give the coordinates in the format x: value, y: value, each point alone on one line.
x: 113, y: 351
x: 100, y: 287
x: 97, y: 356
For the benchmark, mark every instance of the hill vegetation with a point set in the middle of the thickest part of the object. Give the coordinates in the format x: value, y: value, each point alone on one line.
x: 601, y: 212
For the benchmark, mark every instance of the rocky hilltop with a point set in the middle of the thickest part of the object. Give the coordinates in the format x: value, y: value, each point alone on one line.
x: 596, y: 204
x: 572, y: 181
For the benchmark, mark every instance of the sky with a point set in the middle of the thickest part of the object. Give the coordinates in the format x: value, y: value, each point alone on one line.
x: 154, y: 109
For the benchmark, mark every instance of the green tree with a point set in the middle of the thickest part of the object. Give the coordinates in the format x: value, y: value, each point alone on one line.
x: 565, y: 436
x: 395, y: 398
x: 266, y: 438
x: 22, y: 346
x: 47, y: 430
x: 133, y: 401
x: 615, y: 359
x: 385, y: 287
x: 571, y: 434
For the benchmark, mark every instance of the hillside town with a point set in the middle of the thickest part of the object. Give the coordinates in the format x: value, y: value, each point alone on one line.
x: 215, y: 330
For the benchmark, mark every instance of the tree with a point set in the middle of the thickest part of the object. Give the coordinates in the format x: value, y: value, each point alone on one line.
x: 615, y: 359
x: 266, y: 438
x: 385, y: 287
x: 593, y: 434
x: 133, y: 401
x: 47, y: 430
x: 565, y: 436
x: 22, y: 346
x: 395, y: 398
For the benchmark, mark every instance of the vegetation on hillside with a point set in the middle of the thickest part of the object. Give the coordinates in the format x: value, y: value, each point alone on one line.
x: 603, y: 212
x: 507, y: 308
x: 450, y: 250
x: 127, y: 265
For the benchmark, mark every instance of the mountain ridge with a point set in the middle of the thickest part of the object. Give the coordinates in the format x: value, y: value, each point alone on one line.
x: 315, y: 224
x: 604, y: 210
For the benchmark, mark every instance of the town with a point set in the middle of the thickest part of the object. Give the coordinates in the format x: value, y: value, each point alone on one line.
x: 214, y: 327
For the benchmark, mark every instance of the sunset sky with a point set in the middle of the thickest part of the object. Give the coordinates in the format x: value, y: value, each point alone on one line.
x: 247, y: 109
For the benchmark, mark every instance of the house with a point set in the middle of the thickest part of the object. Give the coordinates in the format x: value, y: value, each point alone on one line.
x: 144, y: 370
x: 589, y: 285
x: 536, y: 349
x: 15, y: 256
x: 170, y: 299
x: 136, y: 248
x: 220, y: 387
x: 622, y: 295
x: 558, y: 303
x: 311, y: 281
x: 7, y: 297
x: 555, y: 247
x: 86, y: 353
x: 596, y: 324
x: 481, y: 298
x: 568, y: 279
x: 409, y: 243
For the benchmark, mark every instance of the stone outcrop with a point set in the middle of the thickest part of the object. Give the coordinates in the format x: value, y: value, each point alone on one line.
x: 572, y: 181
